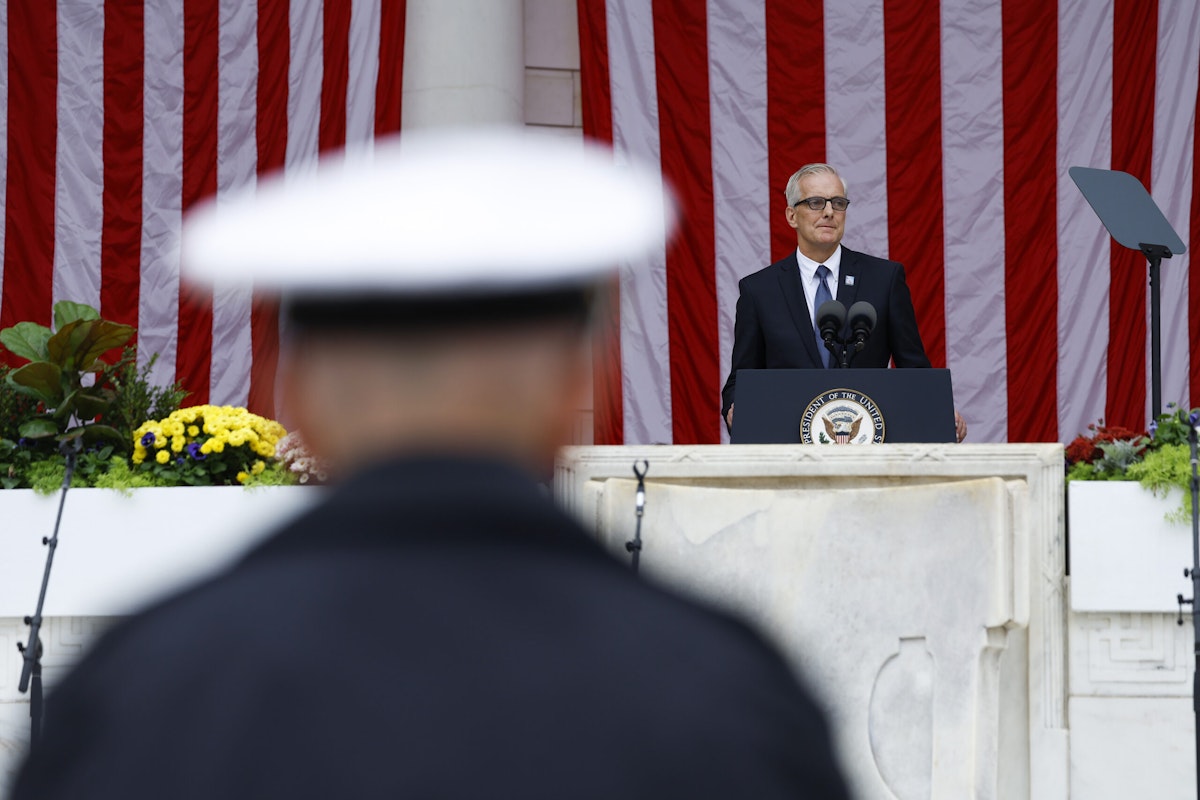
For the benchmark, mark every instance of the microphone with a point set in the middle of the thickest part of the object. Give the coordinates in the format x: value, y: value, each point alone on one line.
x: 862, y: 323
x: 831, y: 316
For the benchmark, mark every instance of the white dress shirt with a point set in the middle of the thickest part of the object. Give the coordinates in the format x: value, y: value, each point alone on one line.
x: 808, y: 275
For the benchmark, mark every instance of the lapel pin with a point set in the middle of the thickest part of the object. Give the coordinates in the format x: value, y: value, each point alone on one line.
x: 849, y: 280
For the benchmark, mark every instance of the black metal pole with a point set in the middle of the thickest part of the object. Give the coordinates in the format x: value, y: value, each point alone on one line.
x: 1155, y: 253
x: 634, y: 545
x: 31, y: 652
x: 1193, y: 440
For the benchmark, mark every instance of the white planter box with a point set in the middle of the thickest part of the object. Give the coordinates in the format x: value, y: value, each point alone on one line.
x: 1124, y: 555
x: 117, y: 552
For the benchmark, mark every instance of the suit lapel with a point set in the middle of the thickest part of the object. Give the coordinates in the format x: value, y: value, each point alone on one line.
x: 850, y: 277
x: 793, y: 294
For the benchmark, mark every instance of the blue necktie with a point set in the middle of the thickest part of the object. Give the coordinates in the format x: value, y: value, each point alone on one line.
x: 823, y: 296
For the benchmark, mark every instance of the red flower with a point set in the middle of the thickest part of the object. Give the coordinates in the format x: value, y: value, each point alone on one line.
x: 1082, y: 448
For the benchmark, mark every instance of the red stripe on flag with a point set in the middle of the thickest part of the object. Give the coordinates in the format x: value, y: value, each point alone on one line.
x: 681, y: 62
x: 595, y: 84
x: 1030, y: 229
x: 389, y: 85
x: 29, y: 195
x: 795, y: 102
x: 913, y: 83
x: 200, y: 56
x: 608, y: 417
x: 121, y: 236
x: 336, y: 47
x: 271, y: 130
x: 1135, y: 26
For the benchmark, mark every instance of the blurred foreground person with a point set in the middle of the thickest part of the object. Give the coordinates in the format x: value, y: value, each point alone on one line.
x: 437, y: 628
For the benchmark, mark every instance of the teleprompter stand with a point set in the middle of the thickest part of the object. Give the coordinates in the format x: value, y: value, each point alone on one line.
x: 1132, y: 217
x: 31, y: 652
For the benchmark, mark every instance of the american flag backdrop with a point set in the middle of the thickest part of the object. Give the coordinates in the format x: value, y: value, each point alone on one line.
x: 117, y: 115
x: 954, y: 123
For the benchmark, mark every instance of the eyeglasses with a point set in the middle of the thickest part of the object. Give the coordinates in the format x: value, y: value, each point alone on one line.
x: 818, y: 203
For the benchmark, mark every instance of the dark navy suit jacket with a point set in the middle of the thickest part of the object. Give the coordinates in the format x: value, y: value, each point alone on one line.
x: 436, y: 629
x: 774, y: 330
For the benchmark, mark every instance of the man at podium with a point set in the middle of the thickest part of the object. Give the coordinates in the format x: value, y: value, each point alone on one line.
x: 775, y: 327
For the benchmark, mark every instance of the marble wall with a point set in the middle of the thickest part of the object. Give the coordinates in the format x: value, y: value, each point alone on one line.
x: 919, y: 588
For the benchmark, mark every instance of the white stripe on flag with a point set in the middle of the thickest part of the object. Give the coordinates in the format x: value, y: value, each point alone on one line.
x: 855, y: 127
x: 162, y: 190
x: 237, y: 160
x: 79, y: 167
x: 1171, y: 179
x: 306, y: 66
x: 1085, y: 51
x: 364, y: 73
x: 742, y: 191
x: 645, y: 345
x: 973, y: 190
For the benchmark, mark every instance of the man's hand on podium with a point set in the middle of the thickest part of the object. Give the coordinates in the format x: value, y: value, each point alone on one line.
x: 729, y: 416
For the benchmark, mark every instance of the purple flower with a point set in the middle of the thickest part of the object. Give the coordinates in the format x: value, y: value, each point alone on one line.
x: 194, y: 451
x: 1153, y: 428
x: 1195, y: 417
x: 148, y: 440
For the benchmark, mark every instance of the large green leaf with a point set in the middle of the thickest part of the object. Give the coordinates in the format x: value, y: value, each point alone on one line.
x: 98, y: 433
x: 27, y: 340
x: 38, y: 429
x: 41, y: 379
x: 78, y: 344
x: 91, y: 403
x: 66, y: 312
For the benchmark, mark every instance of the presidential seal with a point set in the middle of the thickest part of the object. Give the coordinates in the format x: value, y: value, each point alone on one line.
x: 842, y: 416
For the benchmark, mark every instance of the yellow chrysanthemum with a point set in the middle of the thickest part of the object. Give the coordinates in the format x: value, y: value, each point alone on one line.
x: 162, y: 457
x: 242, y: 477
x: 258, y: 468
x: 177, y: 443
x: 193, y: 431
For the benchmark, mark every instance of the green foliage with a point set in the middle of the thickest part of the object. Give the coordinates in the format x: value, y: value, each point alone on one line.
x: 135, y: 399
x: 74, y: 390
x: 274, y: 475
x: 16, y: 408
x: 1168, y: 467
x: 123, y: 477
x: 59, y: 360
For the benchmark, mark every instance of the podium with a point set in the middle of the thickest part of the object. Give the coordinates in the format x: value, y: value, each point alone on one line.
x: 918, y: 588
x: 843, y: 406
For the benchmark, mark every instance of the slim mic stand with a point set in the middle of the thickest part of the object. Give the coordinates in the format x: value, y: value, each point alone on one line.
x: 31, y: 669
x: 838, y: 353
x: 843, y: 350
x: 634, y: 545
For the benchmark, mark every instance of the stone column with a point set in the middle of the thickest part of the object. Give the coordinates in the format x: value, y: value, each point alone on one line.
x: 464, y: 63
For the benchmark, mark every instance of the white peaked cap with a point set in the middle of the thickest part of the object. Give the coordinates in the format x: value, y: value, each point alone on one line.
x: 434, y: 211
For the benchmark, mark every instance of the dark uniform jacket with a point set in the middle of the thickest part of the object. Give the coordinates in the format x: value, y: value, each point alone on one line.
x: 773, y: 328
x: 436, y: 629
